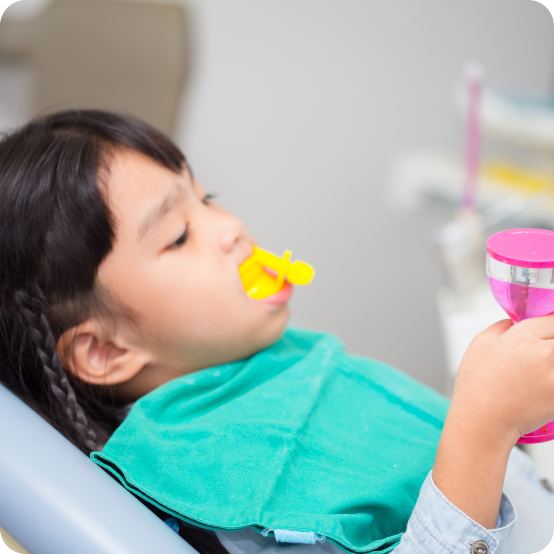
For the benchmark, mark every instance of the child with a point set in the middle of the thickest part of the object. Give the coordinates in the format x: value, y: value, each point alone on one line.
x: 119, y: 281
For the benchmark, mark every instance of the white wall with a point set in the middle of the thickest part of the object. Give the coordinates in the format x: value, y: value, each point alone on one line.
x: 294, y: 112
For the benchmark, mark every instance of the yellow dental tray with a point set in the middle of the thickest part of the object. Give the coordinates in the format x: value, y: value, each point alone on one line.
x: 258, y: 283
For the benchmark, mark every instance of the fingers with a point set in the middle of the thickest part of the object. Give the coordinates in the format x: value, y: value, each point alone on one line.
x: 542, y: 327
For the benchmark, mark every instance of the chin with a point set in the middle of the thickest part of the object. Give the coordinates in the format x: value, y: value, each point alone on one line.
x: 260, y: 335
x: 277, y: 327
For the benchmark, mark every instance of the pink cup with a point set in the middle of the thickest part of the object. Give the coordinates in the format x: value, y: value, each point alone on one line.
x: 520, y: 271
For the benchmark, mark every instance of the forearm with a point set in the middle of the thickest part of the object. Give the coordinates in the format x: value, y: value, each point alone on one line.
x: 469, y: 469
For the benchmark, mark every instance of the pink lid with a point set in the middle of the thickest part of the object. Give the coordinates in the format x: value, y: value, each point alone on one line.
x: 523, y: 247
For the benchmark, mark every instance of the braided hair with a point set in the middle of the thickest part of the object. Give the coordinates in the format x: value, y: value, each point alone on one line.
x: 55, y: 230
x: 32, y: 309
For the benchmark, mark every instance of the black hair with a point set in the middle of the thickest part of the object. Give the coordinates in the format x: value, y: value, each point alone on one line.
x: 55, y: 230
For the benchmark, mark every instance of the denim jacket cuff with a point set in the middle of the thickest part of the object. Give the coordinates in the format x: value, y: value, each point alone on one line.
x: 437, y: 526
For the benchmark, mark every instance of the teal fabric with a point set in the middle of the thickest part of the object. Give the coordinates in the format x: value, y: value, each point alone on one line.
x: 301, y: 437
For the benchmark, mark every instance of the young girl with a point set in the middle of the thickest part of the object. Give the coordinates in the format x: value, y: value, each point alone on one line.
x: 120, y: 285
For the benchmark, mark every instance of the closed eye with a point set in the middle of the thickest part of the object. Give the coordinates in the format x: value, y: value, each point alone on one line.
x: 207, y: 198
x: 181, y: 240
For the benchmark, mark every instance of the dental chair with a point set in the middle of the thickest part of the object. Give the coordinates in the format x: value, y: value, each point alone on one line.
x: 55, y: 500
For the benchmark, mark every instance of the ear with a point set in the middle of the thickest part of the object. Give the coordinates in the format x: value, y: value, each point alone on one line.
x: 97, y: 355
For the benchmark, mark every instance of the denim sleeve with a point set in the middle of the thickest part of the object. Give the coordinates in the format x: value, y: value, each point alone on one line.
x: 436, y: 526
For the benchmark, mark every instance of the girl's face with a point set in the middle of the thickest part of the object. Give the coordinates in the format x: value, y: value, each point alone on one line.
x: 175, y: 264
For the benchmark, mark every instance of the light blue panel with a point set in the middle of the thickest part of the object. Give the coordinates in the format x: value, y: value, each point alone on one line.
x: 54, y: 499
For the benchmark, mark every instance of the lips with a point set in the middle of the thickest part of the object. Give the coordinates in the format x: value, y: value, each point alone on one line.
x: 281, y: 297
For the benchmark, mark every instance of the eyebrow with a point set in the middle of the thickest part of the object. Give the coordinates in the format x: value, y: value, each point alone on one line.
x: 154, y: 215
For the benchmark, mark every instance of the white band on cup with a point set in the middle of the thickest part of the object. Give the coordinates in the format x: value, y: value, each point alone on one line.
x: 534, y: 277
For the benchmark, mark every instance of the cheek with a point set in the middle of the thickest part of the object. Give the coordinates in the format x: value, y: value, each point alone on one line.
x: 182, y: 304
x: 194, y: 303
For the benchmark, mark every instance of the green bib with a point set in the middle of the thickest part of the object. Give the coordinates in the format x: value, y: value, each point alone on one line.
x: 299, y: 437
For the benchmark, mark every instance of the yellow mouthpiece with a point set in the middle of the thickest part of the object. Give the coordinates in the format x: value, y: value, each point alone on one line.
x: 259, y: 284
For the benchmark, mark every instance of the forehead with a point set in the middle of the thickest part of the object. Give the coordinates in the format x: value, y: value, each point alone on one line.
x: 134, y: 183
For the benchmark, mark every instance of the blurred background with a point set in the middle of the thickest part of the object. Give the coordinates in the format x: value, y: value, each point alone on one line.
x: 334, y: 128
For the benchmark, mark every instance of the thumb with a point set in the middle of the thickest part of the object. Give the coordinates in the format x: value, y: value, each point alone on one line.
x: 493, y: 332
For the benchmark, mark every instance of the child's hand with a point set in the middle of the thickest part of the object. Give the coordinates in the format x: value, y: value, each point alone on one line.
x: 505, y: 383
x: 504, y: 389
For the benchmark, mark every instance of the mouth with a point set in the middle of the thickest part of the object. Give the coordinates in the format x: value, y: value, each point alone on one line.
x: 280, y: 297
